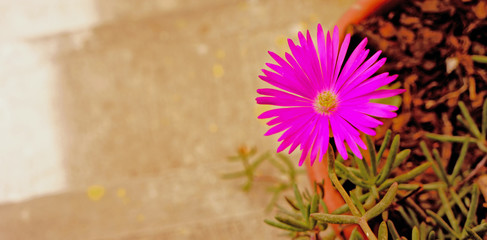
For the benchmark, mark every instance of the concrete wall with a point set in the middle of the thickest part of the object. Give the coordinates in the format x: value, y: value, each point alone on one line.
x: 116, y: 115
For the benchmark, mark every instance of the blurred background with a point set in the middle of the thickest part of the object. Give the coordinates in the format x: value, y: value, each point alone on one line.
x: 116, y: 116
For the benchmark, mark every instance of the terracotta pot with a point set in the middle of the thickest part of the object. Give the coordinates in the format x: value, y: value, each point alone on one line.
x: 362, y: 9
x: 319, y: 171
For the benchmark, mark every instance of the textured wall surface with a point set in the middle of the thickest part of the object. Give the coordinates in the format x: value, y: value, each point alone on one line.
x: 117, y: 115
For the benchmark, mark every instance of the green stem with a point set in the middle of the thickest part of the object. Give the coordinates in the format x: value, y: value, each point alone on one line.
x: 335, y: 219
x: 366, y: 228
x: 338, y: 185
x: 445, y: 138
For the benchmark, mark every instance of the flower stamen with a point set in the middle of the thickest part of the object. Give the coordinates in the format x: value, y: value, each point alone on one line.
x: 326, y: 102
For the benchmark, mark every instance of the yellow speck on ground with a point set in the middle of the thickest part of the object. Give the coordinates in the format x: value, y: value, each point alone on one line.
x: 243, y: 52
x: 140, y: 217
x: 218, y: 70
x: 243, y: 5
x: 181, y: 24
x: 213, y: 128
x: 303, y: 26
x: 220, y: 54
x: 281, y: 42
x: 176, y: 98
x: 95, y: 192
x: 121, y: 193
x: 313, y: 18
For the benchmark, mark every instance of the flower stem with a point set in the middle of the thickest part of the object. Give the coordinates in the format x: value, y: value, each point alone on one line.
x: 362, y: 222
x: 366, y: 228
x: 338, y: 185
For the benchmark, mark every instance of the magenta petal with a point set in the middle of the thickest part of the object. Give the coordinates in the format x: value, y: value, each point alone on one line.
x: 325, y: 84
x: 368, y: 88
x: 316, y: 143
x: 278, y: 111
x: 300, y: 75
x: 376, y: 79
x: 329, y: 59
x: 277, y: 128
x: 295, y: 139
x: 321, y: 143
x: 297, y: 127
x: 280, y: 82
x: 314, y: 59
x: 293, y: 117
x: 325, y: 127
x: 307, y: 148
x: 349, y: 75
x: 379, y: 110
x: 351, y: 135
x: 305, y: 62
x: 341, y: 57
x: 280, y: 94
x: 335, y: 47
x: 356, y: 58
x: 289, y: 102
x: 358, y: 75
x: 291, y: 134
x: 286, y: 73
x: 359, y: 124
x: 359, y: 142
x: 285, y: 143
x: 363, y: 76
x: 384, y: 93
x: 301, y: 138
x: 306, y: 142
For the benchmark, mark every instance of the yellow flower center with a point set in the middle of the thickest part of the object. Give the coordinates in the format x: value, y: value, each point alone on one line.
x: 326, y: 102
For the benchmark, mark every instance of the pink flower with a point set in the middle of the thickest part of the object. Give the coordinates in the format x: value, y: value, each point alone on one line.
x: 320, y: 94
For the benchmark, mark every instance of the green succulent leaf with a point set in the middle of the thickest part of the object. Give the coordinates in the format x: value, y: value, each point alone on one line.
x: 284, y: 226
x: 335, y: 219
x: 384, y: 144
x: 386, y: 170
x: 393, y: 230
x: 383, y: 235
x: 383, y: 204
x: 473, y: 207
x: 415, y: 234
x: 470, y: 124
x: 442, y: 223
x: 479, y: 58
x: 292, y: 222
